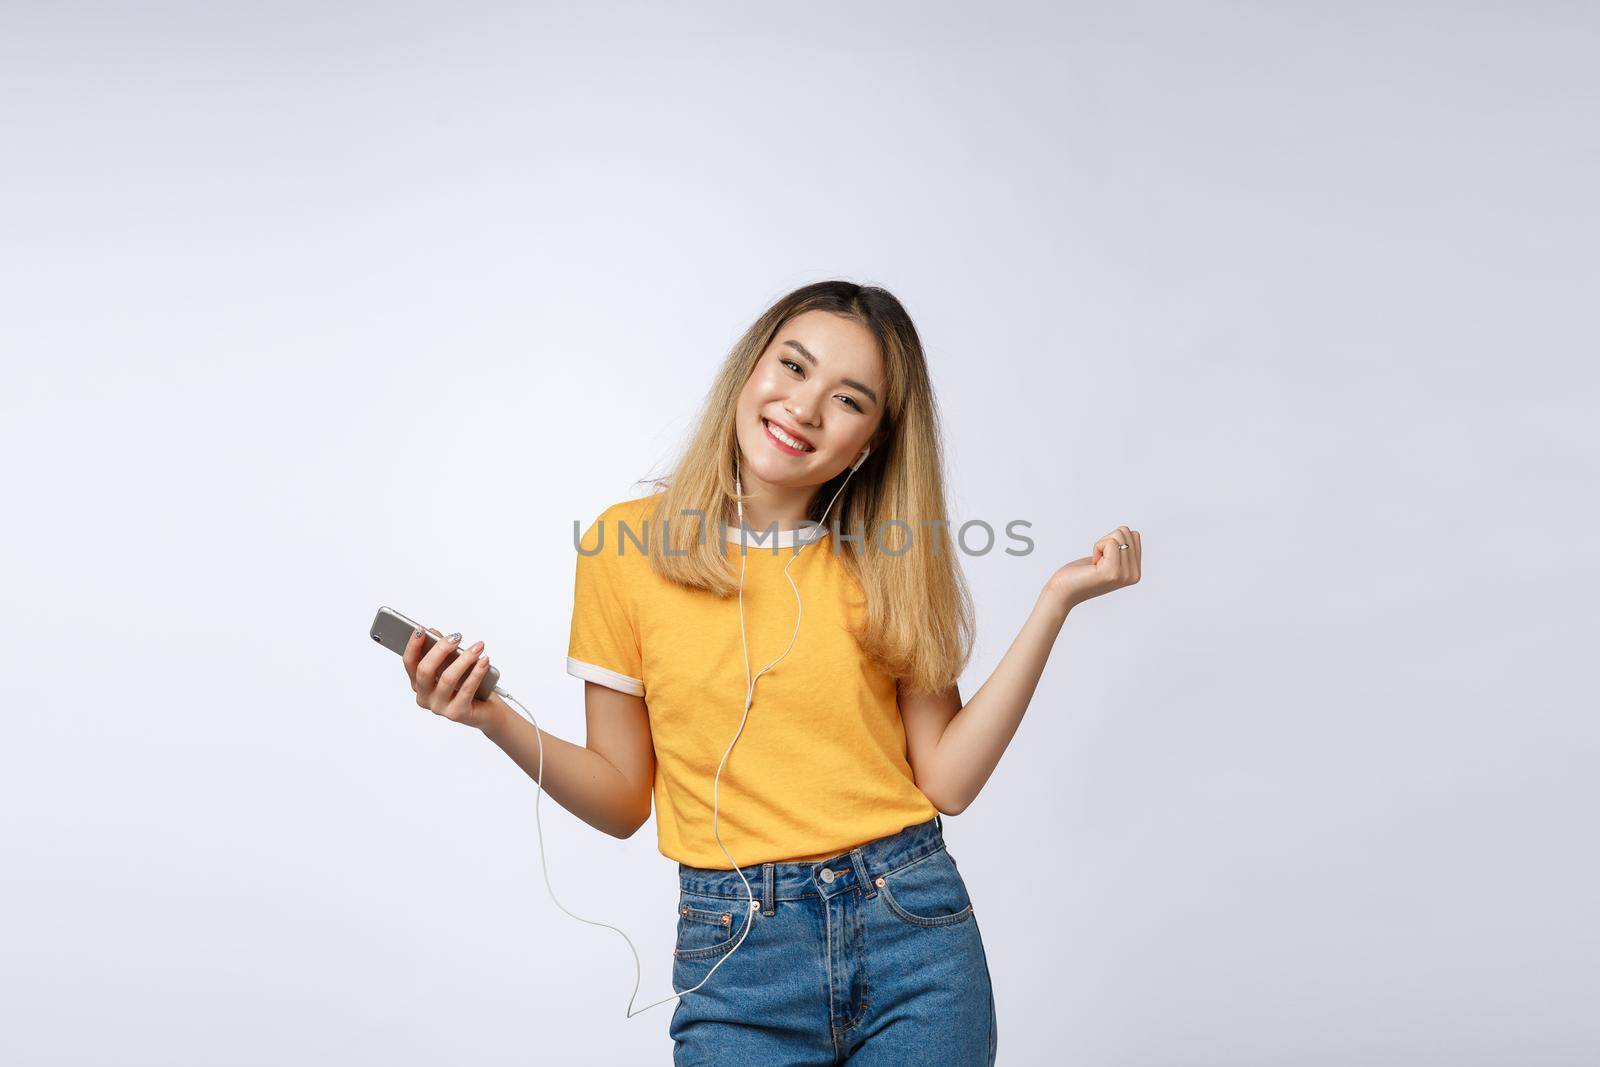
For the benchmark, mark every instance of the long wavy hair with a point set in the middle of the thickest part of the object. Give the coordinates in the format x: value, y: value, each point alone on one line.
x: 918, y: 623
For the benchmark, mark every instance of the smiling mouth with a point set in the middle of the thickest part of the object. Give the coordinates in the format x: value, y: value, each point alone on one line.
x: 784, y: 441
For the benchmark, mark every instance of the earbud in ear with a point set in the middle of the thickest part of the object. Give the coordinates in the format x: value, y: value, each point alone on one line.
x: 865, y: 452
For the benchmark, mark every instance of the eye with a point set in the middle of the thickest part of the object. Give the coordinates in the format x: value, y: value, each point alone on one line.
x: 790, y: 363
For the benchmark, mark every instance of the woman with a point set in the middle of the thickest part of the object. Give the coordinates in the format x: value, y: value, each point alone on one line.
x: 844, y: 931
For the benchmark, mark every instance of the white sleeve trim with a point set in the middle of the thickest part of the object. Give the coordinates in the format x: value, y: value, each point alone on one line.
x: 600, y: 676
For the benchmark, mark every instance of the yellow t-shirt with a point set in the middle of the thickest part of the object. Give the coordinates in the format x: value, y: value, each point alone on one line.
x: 821, y: 763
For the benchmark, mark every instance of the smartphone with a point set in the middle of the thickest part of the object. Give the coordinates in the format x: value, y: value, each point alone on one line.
x: 393, y: 631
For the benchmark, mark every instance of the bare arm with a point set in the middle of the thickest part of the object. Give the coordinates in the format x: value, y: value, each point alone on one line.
x: 607, y: 782
x: 954, y: 749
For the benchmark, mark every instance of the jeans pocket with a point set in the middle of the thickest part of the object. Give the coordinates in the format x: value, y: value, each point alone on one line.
x: 708, y: 926
x: 927, y: 892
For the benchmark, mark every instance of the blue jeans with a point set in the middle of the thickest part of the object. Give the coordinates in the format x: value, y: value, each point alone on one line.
x: 871, y: 957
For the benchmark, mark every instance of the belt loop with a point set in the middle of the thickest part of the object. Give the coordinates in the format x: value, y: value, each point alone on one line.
x: 768, y: 904
x: 938, y: 823
x: 863, y: 876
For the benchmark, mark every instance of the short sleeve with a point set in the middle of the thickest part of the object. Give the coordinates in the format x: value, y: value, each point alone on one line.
x: 604, y: 642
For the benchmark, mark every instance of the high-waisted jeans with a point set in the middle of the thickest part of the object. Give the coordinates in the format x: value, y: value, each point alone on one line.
x: 871, y: 957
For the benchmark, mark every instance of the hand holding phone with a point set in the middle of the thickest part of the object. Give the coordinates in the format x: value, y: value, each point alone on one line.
x: 454, y: 683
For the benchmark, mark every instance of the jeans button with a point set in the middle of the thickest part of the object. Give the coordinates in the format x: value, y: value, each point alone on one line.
x: 827, y: 875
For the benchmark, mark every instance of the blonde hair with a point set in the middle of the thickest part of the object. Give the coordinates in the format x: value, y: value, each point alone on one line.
x: 918, y: 624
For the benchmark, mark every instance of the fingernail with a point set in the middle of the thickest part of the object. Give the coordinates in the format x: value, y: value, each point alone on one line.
x: 416, y: 631
x: 455, y: 636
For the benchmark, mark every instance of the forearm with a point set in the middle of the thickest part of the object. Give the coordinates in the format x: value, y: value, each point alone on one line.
x: 975, y: 739
x: 579, y: 779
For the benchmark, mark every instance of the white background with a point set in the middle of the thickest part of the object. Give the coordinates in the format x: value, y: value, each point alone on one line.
x: 312, y: 308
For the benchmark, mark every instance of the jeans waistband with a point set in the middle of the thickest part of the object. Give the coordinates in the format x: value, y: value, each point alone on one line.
x: 858, y: 866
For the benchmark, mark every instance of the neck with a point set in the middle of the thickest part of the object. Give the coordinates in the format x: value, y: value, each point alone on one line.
x: 767, y: 504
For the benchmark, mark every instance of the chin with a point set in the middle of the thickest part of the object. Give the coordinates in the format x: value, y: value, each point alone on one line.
x: 777, y: 474
x: 772, y: 474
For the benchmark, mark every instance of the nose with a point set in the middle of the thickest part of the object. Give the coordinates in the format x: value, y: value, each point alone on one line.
x: 798, y: 405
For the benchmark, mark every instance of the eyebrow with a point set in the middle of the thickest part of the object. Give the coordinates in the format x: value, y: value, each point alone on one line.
x: 852, y: 383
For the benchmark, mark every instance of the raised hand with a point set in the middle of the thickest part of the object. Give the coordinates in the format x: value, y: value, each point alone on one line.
x: 1116, y: 562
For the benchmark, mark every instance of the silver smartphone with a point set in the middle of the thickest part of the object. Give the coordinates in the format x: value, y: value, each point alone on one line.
x: 393, y: 631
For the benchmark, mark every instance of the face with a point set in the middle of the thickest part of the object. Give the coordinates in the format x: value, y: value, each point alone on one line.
x: 819, y: 383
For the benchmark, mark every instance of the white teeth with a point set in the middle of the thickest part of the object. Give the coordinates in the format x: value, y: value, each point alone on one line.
x: 772, y: 428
